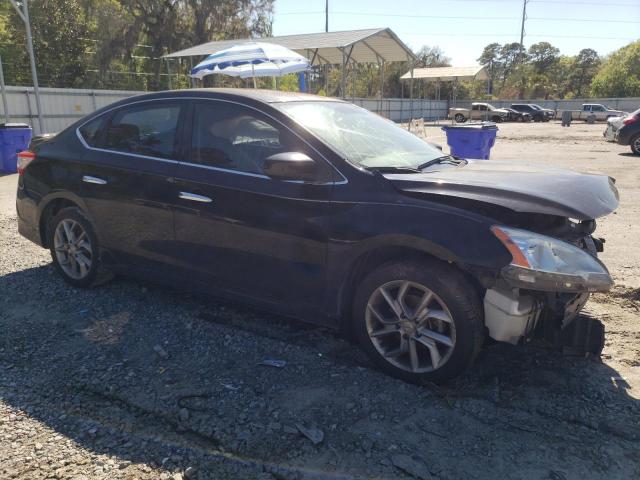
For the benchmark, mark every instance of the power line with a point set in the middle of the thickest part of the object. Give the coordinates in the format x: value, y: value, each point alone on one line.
x: 515, y: 34
x: 599, y: 4
x: 460, y: 17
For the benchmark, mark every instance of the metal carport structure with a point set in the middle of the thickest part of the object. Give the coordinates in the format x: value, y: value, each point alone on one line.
x: 447, y: 74
x: 375, y: 45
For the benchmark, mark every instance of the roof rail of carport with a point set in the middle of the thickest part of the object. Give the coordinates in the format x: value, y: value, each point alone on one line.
x: 372, y: 45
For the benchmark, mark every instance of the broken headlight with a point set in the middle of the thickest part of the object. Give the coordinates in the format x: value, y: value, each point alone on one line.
x: 551, y: 265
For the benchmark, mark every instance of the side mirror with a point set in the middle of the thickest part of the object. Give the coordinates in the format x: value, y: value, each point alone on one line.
x: 290, y: 166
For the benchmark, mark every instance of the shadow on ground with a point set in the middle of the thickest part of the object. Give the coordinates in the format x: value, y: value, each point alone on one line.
x: 161, y: 377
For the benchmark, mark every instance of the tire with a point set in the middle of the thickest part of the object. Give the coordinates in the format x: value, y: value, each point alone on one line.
x: 537, y: 119
x: 519, y: 119
x: 459, y: 118
x: 455, y: 331
x: 635, y: 144
x: 82, y: 268
x: 496, y: 119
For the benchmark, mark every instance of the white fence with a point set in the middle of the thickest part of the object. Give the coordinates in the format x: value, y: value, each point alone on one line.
x: 63, y: 106
x: 60, y: 106
x: 403, y: 109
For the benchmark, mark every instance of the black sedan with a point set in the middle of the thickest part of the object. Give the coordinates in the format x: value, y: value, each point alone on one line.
x: 516, y: 116
x: 537, y: 114
x: 318, y: 209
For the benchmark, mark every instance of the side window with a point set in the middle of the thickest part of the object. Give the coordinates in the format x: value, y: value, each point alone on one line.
x: 90, y: 131
x: 597, y: 108
x: 586, y: 108
x: 475, y: 107
x: 230, y: 136
x: 144, y: 130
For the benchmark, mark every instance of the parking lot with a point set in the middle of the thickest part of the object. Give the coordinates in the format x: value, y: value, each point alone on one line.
x: 135, y: 381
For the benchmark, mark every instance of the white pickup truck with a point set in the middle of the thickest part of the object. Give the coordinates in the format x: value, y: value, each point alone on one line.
x: 597, y: 110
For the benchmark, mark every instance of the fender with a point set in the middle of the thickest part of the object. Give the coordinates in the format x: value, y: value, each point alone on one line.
x: 52, y: 197
x: 447, y: 233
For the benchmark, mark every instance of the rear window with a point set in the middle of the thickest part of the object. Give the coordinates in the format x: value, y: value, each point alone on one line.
x: 144, y: 130
x: 90, y: 131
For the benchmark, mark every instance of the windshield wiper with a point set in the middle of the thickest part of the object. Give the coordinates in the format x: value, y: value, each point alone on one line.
x: 442, y: 159
x: 392, y: 169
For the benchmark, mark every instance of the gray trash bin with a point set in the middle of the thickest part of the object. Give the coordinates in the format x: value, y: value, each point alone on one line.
x: 566, y: 118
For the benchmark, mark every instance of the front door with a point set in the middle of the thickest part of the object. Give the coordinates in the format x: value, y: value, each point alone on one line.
x: 241, y: 231
x: 127, y: 180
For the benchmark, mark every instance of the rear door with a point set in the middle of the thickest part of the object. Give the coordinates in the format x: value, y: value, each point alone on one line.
x: 127, y: 180
x: 241, y: 231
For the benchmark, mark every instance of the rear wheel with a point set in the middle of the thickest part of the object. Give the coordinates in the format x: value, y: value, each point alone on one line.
x: 419, y: 321
x: 635, y: 144
x: 459, y: 118
x: 74, y: 248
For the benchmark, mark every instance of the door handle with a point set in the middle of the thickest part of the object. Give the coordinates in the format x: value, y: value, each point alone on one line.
x: 194, y: 197
x: 96, y: 180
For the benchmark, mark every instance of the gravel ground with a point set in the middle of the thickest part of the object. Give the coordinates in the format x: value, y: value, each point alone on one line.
x: 134, y: 381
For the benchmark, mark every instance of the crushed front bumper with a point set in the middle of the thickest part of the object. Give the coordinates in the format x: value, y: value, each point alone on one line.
x: 515, y: 315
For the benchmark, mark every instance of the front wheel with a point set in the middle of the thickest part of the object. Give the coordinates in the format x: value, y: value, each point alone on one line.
x: 635, y: 144
x: 74, y: 248
x: 419, y: 321
x: 497, y: 119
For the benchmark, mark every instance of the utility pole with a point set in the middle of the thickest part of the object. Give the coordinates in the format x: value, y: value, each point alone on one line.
x: 23, y: 13
x: 524, y: 17
x: 326, y: 15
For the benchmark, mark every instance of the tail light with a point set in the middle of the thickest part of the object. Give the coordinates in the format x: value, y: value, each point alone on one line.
x: 630, y: 120
x: 24, y: 159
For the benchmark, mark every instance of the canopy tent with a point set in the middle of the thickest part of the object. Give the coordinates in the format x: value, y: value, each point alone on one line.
x: 447, y: 74
x: 361, y: 46
x: 374, y: 45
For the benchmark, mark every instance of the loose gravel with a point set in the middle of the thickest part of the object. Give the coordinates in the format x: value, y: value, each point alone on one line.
x: 134, y: 381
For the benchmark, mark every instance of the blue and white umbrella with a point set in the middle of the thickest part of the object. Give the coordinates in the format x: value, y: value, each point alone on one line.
x: 252, y: 60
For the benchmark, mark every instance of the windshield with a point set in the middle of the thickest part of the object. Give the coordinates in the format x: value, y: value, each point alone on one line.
x: 361, y: 137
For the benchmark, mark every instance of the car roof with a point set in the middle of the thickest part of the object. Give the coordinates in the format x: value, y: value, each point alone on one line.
x: 261, y: 95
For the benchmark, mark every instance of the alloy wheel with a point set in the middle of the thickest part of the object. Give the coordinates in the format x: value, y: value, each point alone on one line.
x: 73, y: 249
x: 410, y: 326
x: 636, y: 145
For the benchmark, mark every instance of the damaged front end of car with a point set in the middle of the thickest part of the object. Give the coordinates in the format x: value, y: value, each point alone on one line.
x: 545, y: 218
x: 543, y: 289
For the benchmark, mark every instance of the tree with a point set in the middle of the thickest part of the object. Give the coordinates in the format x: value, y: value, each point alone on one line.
x: 620, y: 74
x: 511, y: 55
x: 490, y: 59
x: 586, y: 65
x: 215, y: 19
x: 59, y: 40
x: 432, y: 57
x: 543, y: 56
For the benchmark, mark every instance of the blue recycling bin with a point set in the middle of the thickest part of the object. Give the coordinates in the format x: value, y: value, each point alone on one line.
x: 473, y: 140
x: 14, y: 137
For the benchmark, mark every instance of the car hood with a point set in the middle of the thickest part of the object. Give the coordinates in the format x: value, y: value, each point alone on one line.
x: 519, y: 187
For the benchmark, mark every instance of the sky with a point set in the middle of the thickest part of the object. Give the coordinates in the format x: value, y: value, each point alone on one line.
x: 461, y: 28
